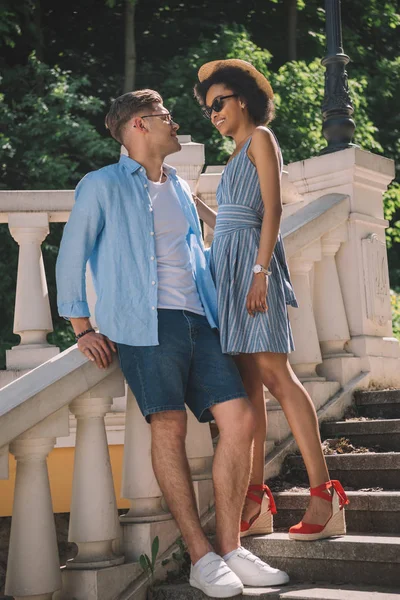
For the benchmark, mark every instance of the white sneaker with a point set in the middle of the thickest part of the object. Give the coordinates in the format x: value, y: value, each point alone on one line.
x: 212, y: 576
x: 253, y: 571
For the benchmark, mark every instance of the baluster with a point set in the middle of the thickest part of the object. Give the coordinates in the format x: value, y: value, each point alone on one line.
x: 32, y: 318
x: 33, y: 571
x: 307, y: 354
x: 330, y: 314
x: 93, y: 522
x: 333, y: 330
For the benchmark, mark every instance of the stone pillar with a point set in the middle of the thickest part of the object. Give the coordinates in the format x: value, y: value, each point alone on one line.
x: 307, y: 354
x: 94, y: 518
x: 206, y: 189
x: 148, y: 515
x: 330, y: 314
x: 32, y: 317
x: 361, y: 260
x: 33, y: 570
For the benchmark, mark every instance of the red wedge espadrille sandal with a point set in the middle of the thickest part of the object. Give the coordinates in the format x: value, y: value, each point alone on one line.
x: 336, y: 524
x: 262, y: 523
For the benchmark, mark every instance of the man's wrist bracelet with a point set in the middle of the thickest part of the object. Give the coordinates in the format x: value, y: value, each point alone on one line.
x: 82, y: 333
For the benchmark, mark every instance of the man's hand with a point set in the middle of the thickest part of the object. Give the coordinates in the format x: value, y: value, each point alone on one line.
x: 257, y: 296
x: 97, y: 348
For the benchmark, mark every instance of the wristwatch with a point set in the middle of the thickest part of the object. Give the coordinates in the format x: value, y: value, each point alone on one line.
x: 261, y: 269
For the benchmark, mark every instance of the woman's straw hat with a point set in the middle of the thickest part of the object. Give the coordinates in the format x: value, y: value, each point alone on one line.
x: 209, y: 69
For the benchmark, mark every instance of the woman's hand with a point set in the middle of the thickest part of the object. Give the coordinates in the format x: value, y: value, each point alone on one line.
x: 257, y: 296
x: 205, y: 213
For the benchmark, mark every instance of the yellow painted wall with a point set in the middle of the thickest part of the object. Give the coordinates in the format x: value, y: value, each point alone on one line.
x: 60, y: 463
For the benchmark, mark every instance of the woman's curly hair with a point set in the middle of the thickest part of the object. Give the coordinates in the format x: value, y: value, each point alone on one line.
x: 259, y: 105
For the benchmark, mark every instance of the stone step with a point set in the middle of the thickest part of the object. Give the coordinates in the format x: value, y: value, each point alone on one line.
x: 365, y: 559
x: 368, y: 512
x: 183, y: 591
x: 356, y: 471
x: 384, y: 433
x: 380, y: 404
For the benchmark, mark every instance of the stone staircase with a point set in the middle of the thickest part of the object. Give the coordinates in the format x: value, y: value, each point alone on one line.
x: 364, y: 564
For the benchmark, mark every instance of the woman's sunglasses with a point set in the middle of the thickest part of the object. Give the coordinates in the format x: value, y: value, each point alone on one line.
x: 216, y: 106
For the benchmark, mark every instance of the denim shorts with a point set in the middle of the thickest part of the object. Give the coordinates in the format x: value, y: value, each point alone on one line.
x: 187, y: 367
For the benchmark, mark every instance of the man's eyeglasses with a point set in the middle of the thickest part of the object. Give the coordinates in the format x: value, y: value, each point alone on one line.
x: 216, y: 106
x: 166, y: 117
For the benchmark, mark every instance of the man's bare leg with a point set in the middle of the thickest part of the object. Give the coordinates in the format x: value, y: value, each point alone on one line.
x: 231, y: 469
x: 171, y: 468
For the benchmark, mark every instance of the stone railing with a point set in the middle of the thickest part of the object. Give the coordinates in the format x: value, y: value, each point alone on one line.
x: 34, y: 412
x: 334, y: 237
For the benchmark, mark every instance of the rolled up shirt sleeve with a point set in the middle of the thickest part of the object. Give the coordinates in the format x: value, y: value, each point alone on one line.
x: 78, y: 242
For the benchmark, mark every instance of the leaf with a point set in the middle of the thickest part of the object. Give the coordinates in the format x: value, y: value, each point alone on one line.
x: 144, y: 563
x: 155, y: 546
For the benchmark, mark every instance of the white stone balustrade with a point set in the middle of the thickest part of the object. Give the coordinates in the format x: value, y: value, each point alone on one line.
x: 32, y: 317
x: 307, y: 354
x: 330, y: 313
x: 33, y: 566
x: 94, y: 523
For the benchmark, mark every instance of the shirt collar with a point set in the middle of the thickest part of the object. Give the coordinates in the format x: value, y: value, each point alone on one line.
x: 133, y: 166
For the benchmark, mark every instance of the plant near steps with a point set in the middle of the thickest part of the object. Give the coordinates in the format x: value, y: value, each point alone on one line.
x: 145, y: 562
x: 182, y: 560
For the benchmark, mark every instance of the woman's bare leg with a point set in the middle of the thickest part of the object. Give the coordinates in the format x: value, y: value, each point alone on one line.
x: 278, y: 376
x: 254, y: 387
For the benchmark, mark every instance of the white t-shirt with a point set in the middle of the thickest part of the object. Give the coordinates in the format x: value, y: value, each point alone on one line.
x: 176, y: 286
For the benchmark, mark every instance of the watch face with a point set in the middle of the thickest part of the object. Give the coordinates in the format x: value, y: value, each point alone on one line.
x: 257, y: 268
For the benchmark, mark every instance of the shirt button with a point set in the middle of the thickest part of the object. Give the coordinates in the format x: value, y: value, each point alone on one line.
x: 153, y: 283
x: 151, y: 232
x: 150, y: 209
x: 151, y: 257
x: 153, y: 308
x: 145, y: 185
x: 141, y: 170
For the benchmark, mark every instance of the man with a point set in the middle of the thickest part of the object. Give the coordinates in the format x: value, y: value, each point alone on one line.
x: 136, y: 222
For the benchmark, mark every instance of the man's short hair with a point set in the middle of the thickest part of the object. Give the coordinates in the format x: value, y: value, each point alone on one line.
x: 127, y: 106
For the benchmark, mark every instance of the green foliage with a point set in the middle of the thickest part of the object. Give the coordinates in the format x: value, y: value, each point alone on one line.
x: 392, y: 209
x: 47, y: 140
x: 182, y: 562
x: 145, y: 562
x: 177, y: 87
x: 298, y: 87
x: 395, y: 300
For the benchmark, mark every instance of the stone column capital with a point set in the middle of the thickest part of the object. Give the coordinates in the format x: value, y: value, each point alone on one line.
x: 89, y: 408
x: 300, y: 265
x: 28, y: 228
x: 32, y: 449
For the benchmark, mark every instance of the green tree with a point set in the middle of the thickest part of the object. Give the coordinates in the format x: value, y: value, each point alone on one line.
x: 47, y: 140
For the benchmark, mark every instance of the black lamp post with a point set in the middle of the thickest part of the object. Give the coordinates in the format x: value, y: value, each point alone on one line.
x: 338, y: 126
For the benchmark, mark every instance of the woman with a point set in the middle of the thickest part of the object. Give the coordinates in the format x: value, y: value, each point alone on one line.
x: 254, y: 289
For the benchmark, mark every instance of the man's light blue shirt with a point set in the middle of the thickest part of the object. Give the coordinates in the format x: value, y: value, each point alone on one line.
x: 111, y: 226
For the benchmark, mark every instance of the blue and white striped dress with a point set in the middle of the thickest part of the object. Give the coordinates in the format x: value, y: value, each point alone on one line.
x: 234, y: 253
